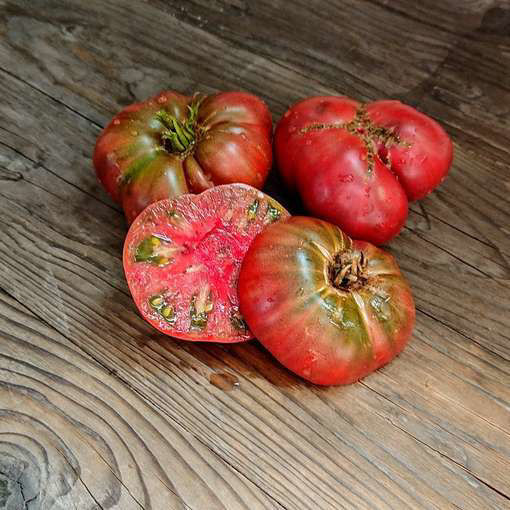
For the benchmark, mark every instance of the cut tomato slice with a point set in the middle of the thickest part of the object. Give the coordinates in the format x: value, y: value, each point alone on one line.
x: 182, y: 260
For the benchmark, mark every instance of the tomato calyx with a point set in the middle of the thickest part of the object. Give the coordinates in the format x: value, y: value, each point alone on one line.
x: 179, y: 136
x: 376, y: 139
x: 347, y: 272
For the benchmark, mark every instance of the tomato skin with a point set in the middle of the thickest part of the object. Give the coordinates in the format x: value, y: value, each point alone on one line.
x: 366, y: 204
x: 290, y: 143
x: 231, y: 143
x: 421, y: 167
x: 358, y: 165
x: 324, y: 334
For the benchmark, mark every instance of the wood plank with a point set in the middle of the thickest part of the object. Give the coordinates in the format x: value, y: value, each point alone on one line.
x: 471, y: 95
x: 349, y: 46
x: 429, y: 267
x: 490, y: 259
x: 53, y: 34
x: 397, y: 447
x: 433, y: 464
x: 73, y: 436
x: 70, y: 54
x: 450, y: 15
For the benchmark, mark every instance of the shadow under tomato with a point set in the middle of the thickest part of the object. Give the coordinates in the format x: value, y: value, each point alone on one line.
x: 247, y: 361
x: 276, y: 189
x: 226, y: 366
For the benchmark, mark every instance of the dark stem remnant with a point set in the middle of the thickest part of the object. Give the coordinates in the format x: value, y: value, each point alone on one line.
x: 348, y: 271
x: 376, y: 139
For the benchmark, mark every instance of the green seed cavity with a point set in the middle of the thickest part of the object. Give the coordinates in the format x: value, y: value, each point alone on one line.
x: 156, y: 302
x: 252, y: 210
x: 165, y: 310
x: 237, y: 321
x: 200, y: 307
x: 156, y: 251
x: 272, y: 213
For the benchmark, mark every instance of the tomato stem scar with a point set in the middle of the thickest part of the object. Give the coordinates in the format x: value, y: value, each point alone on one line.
x: 376, y: 139
x: 348, y: 270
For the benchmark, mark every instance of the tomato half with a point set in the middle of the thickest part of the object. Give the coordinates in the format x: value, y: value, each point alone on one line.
x: 182, y: 259
x: 358, y: 165
x: 173, y: 144
x: 330, y: 309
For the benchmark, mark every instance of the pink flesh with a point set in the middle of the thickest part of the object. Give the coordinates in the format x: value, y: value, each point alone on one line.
x: 213, y: 231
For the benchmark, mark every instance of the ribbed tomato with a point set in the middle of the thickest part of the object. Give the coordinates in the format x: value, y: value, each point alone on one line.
x: 182, y: 259
x: 173, y: 144
x: 358, y: 165
x: 330, y: 309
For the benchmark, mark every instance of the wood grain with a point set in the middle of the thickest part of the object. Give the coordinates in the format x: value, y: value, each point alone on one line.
x: 72, y: 269
x: 466, y: 186
x: 85, y: 376
x: 73, y: 436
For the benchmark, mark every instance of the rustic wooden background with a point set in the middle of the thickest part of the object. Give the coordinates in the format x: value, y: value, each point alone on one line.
x: 97, y: 411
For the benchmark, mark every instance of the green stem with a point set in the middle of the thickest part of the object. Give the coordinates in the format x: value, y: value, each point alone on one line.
x: 178, y: 135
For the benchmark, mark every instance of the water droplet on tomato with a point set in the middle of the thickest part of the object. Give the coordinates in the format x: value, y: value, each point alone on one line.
x: 308, y: 142
x: 367, y: 209
x: 292, y: 129
x: 162, y: 99
x: 116, y: 122
x: 346, y: 178
x: 287, y: 113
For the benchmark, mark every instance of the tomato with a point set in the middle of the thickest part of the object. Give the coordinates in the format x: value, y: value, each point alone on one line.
x: 182, y: 259
x: 358, y: 165
x: 173, y: 144
x: 330, y: 309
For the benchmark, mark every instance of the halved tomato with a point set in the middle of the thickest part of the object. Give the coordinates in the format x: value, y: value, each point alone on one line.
x: 182, y: 259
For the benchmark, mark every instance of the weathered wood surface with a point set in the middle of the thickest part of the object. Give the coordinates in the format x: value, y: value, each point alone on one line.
x: 98, y: 411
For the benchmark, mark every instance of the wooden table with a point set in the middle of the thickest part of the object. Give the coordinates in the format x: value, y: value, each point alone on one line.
x: 98, y: 411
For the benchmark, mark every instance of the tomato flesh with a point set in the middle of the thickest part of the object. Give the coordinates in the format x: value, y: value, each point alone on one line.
x: 182, y: 259
x: 330, y: 309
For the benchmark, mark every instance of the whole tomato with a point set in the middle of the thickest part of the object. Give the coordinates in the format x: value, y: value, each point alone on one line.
x: 357, y: 165
x: 330, y: 309
x: 173, y: 144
